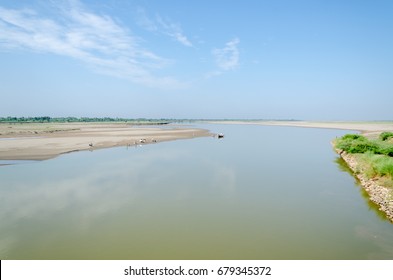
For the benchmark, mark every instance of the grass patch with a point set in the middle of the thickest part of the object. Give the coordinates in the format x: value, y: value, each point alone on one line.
x: 358, y: 144
x: 375, y: 157
x: 380, y: 165
x: 386, y: 136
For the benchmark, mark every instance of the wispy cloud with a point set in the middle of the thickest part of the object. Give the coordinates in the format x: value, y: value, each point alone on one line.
x: 96, y: 40
x: 144, y: 21
x: 163, y: 26
x: 227, y: 58
x: 173, y: 30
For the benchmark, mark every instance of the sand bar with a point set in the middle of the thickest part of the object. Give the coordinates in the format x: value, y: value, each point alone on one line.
x: 363, y: 127
x: 45, y: 141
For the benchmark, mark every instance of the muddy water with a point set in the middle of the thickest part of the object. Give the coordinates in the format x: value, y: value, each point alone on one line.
x: 259, y: 193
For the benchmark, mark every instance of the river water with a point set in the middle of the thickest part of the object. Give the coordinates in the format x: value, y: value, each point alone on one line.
x: 260, y: 193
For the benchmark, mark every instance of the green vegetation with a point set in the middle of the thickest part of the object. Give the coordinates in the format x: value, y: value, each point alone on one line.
x: 384, y: 136
x: 375, y: 156
x: 47, y: 119
x: 358, y: 144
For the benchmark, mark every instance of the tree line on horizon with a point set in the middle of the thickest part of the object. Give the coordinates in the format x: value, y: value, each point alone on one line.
x: 46, y: 119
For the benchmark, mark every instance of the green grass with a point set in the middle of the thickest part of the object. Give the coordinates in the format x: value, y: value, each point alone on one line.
x: 380, y: 165
x: 386, y: 136
x: 358, y: 144
x: 375, y: 156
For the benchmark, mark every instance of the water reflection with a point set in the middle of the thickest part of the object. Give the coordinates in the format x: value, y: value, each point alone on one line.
x: 382, y: 242
x: 10, y: 162
x: 193, y: 199
x: 343, y: 166
x: 80, y: 198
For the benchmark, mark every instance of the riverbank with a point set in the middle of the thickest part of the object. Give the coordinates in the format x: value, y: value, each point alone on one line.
x: 380, y: 195
x: 371, y: 161
x: 40, y: 141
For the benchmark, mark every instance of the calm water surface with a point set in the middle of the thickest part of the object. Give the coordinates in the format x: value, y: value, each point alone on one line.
x: 259, y: 193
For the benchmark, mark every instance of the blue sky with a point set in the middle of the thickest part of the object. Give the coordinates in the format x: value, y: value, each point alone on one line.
x: 312, y: 60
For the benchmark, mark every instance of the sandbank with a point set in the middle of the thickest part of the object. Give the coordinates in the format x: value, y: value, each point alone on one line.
x: 369, y: 128
x: 40, y: 141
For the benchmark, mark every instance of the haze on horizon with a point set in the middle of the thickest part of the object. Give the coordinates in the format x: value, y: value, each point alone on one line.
x: 311, y: 60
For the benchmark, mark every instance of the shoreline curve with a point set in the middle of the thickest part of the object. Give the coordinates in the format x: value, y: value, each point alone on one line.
x: 378, y: 194
x: 38, y: 142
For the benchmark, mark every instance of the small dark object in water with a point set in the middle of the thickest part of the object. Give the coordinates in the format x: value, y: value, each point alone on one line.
x: 220, y: 135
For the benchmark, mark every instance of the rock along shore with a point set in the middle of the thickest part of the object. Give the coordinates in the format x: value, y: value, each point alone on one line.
x: 380, y: 195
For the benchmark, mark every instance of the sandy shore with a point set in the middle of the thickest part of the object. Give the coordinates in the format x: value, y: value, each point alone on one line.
x: 44, y: 141
x: 364, y: 127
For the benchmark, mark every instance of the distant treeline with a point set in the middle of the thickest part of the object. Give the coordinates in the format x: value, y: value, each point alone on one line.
x: 47, y: 119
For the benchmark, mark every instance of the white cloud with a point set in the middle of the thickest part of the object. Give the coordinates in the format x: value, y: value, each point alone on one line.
x: 159, y: 25
x: 227, y: 58
x: 173, y: 30
x: 97, y: 40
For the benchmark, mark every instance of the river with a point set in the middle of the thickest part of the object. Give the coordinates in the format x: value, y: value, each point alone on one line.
x: 261, y: 192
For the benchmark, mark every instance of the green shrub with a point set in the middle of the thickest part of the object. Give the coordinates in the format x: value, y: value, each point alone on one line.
x: 343, y: 144
x: 386, y: 136
x: 353, y: 137
x: 387, y: 150
x: 358, y: 144
x: 353, y: 143
x: 362, y: 146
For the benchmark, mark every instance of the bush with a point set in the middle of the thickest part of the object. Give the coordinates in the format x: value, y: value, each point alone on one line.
x: 362, y: 146
x: 354, y: 137
x: 353, y: 143
x: 387, y: 150
x: 343, y: 144
x: 386, y: 136
x: 358, y: 144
